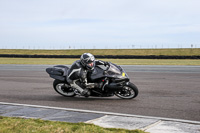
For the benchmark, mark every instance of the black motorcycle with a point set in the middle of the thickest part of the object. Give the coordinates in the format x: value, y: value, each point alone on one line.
x: 115, y: 82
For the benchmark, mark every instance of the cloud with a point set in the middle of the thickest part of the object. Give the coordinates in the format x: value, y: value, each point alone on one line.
x: 98, y: 21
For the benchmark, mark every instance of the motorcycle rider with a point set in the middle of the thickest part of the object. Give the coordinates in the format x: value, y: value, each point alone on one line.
x: 77, y: 73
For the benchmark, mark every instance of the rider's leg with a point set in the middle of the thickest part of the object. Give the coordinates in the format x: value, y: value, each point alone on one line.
x: 77, y: 84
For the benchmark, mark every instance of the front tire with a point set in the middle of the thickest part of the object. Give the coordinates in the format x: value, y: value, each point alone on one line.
x: 63, y: 89
x: 129, y: 91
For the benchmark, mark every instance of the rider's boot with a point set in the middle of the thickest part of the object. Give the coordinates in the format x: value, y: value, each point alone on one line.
x: 83, y: 91
x: 86, y: 92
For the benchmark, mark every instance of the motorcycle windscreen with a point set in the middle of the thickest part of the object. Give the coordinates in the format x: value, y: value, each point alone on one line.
x: 113, y: 70
x: 117, y: 72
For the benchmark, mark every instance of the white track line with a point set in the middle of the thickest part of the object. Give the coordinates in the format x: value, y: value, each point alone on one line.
x: 106, y: 113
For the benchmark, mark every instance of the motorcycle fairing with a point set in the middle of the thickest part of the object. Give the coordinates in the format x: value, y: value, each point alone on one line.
x: 97, y: 73
x: 112, y: 71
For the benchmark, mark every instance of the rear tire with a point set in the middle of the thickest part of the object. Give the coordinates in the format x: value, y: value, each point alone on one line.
x: 63, y: 88
x: 129, y: 91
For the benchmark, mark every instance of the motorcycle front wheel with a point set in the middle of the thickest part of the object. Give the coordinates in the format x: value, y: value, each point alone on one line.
x: 129, y: 91
x: 63, y: 89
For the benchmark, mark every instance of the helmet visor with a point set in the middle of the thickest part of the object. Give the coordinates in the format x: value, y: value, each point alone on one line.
x: 91, y: 64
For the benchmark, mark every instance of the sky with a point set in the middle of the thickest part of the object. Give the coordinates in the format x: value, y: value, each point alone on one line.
x: 99, y: 24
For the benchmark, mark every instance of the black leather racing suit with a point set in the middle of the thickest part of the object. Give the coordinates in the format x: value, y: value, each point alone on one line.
x: 77, y: 75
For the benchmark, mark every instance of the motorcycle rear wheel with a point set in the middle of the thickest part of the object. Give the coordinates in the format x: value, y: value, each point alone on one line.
x: 129, y: 91
x: 63, y: 89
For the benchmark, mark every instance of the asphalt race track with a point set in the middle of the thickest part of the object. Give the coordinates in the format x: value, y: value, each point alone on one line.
x: 164, y: 91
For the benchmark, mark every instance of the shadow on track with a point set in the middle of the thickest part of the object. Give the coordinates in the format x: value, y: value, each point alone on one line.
x: 77, y: 98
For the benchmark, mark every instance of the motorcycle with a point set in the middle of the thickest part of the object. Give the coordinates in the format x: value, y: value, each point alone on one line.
x: 115, y: 82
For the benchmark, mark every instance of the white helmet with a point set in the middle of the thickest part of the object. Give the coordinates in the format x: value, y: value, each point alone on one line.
x: 88, y: 61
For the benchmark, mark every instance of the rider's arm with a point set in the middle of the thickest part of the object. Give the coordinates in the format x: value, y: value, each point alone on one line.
x: 100, y: 62
x: 83, y: 76
x: 83, y: 79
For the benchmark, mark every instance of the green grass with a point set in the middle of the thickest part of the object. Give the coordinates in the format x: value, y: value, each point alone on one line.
x: 55, y: 61
x: 177, y: 52
x: 20, y: 125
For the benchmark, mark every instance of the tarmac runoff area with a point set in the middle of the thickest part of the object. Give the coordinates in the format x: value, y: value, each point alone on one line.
x: 103, y: 119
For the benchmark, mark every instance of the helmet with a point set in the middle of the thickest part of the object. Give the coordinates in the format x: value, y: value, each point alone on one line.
x: 88, y: 61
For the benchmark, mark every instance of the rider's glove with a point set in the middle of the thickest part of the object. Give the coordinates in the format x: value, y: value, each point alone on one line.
x: 106, y: 63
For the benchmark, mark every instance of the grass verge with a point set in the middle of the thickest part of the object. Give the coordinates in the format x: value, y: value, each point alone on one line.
x: 56, y: 61
x: 172, y: 52
x: 20, y: 125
